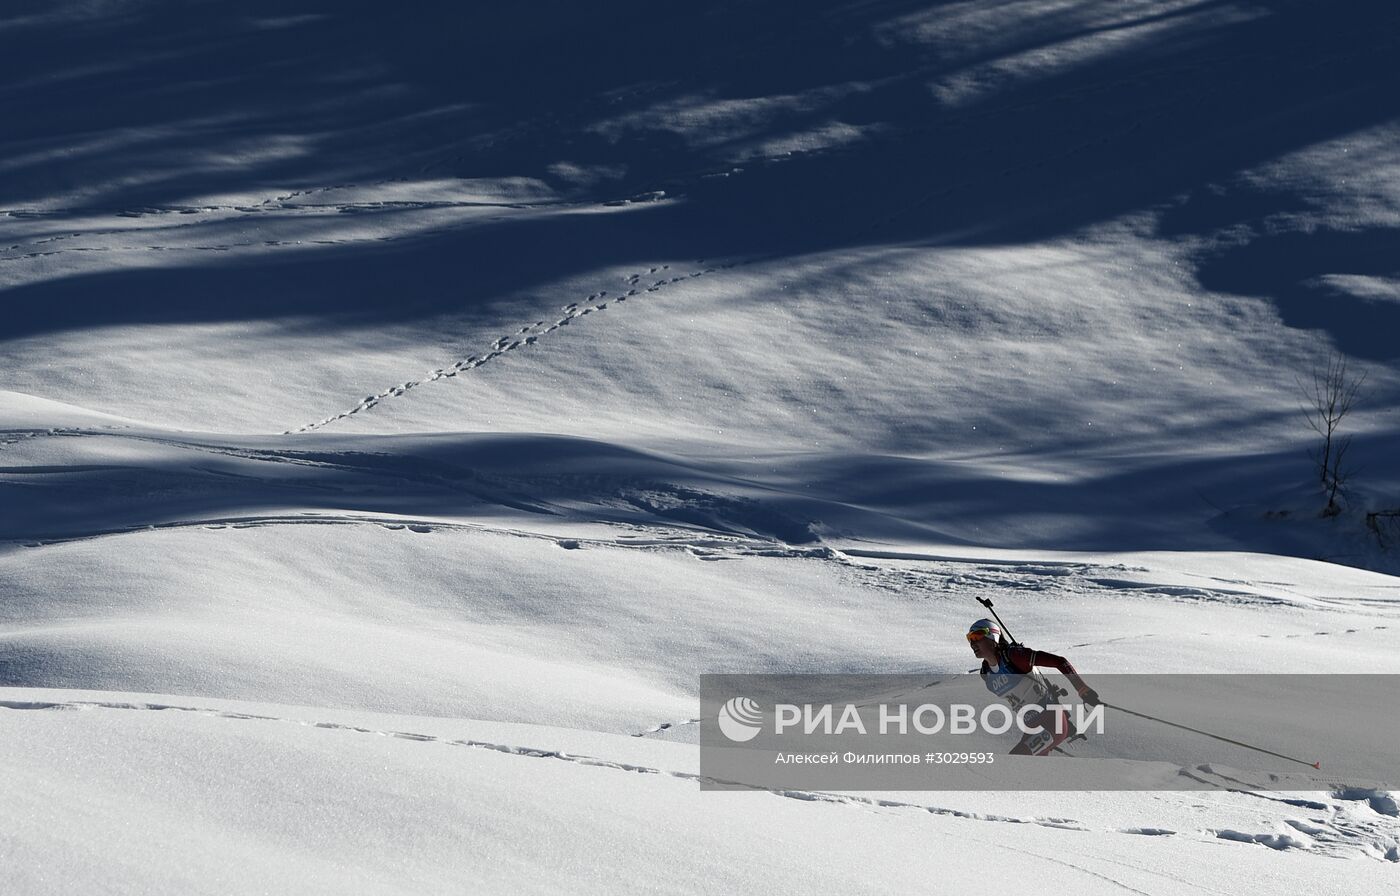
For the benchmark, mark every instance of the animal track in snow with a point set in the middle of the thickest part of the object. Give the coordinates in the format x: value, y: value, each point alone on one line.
x: 594, y: 302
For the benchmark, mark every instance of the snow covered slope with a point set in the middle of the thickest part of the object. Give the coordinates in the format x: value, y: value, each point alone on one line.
x: 197, y: 796
x: 483, y: 374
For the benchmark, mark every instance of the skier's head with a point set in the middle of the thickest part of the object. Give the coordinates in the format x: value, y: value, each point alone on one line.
x: 984, y: 635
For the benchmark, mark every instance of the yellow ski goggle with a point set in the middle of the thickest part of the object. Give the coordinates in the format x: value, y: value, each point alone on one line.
x: 978, y: 634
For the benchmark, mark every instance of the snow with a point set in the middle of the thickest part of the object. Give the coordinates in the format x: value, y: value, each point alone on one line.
x: 401, y: 411
x: 271, y: 797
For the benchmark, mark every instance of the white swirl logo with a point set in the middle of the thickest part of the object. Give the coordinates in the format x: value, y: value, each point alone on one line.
x: 740, y: 719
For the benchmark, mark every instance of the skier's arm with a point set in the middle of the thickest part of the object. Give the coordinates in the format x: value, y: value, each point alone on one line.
x: 1066, y: 668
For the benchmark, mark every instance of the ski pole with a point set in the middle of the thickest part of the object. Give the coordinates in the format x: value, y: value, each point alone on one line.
x: 1227, y: 740
x: 987, y: 602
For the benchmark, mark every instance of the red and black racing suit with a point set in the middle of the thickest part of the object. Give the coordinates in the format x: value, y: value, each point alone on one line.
x: 1021, y: 660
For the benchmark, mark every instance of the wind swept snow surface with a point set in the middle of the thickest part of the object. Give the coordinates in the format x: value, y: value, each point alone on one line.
x: 402, y: 409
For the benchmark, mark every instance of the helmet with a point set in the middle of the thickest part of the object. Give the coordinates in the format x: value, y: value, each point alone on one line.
x: 984, y: 628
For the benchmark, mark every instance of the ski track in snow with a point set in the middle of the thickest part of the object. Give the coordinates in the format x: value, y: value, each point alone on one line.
x: 243, y: 211
x: 662, y: 539
x: 9, y: 437
x: 15, y: 436
x: 1344, y: 831
x: 281, y: 206
x: 935, y: 578
x: 667, y: 726
x: 916, y: 576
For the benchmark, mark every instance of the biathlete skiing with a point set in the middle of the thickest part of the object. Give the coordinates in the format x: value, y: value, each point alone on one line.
x: 1008, y: 670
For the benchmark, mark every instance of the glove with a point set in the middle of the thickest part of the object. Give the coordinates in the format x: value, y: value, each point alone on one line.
x: 1089, y: 696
